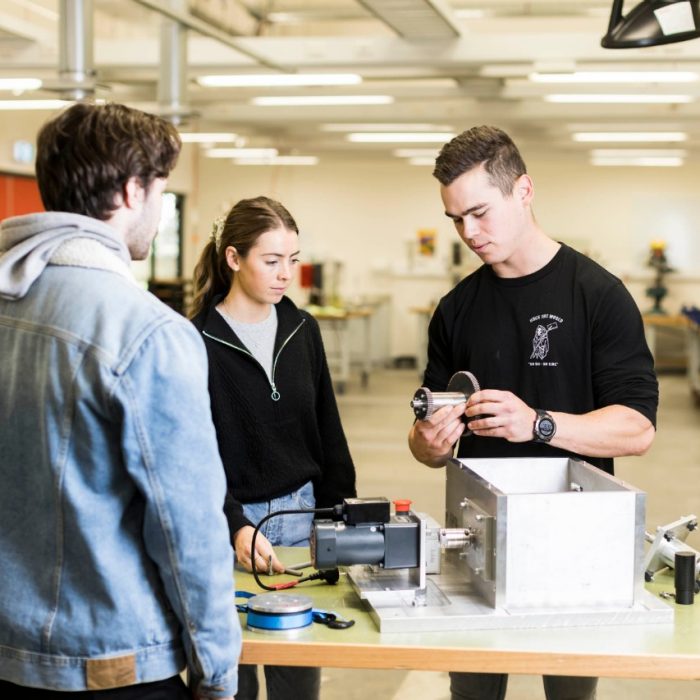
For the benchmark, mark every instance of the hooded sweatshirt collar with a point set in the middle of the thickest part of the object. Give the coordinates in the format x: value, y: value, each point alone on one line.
x: 29, y: 243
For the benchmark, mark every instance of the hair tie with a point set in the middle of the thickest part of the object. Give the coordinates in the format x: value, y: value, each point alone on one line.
x: 216, y: 231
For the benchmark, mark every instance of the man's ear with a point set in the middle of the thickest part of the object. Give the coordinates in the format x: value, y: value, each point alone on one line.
x: 133, y: 193
x: 524, y: 189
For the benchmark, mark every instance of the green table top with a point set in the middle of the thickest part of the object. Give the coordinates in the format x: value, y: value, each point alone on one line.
x: 654, y: 650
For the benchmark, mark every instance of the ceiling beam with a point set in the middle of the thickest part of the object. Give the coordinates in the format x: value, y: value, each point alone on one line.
x: 206, y: 29
x: 415, y: 19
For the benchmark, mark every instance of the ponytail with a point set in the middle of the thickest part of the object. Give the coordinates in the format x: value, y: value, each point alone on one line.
x: 209, y: 280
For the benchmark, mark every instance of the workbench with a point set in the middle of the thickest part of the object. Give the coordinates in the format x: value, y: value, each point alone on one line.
x: 689, y: 330
x: 335, y: 325
x: 423, y: 316
x: 651, y: 651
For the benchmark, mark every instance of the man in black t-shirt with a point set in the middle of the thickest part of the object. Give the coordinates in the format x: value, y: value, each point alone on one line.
x: 556, y: 341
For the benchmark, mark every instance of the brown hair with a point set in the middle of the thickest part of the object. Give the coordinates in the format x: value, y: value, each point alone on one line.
x: 87, y: 154
x: 481, y: 144
x: 247, y: 220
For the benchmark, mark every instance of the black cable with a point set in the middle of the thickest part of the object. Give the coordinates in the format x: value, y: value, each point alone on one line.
x: 325, y: 511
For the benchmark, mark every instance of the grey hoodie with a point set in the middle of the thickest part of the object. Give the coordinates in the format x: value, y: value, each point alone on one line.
x: 29, y: 243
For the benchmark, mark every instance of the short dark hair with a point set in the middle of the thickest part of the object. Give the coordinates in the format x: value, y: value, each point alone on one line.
x: 87, y: 154
x: 481, y: 144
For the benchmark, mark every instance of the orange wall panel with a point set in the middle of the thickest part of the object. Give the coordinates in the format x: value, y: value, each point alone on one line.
x: 18, y: 195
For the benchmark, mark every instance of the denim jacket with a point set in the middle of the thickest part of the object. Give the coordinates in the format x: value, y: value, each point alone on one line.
x: 116, y: 566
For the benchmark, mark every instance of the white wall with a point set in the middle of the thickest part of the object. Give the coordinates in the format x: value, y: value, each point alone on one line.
x: 367, y: 212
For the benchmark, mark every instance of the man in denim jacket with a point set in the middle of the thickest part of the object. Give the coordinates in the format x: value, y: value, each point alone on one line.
x: 116, y: 561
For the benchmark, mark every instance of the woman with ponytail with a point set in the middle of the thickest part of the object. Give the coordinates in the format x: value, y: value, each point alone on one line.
x: 277, y: 422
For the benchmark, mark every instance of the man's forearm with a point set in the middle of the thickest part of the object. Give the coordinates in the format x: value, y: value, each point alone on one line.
x: 612, y: 431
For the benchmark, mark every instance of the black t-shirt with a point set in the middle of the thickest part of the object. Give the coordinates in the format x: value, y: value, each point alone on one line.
x: 568, y: 337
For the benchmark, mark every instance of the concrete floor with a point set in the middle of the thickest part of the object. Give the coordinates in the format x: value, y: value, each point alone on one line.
x: 376, y: 421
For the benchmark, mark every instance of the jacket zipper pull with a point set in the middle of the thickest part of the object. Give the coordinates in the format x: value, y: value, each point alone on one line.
x: 275, y: 394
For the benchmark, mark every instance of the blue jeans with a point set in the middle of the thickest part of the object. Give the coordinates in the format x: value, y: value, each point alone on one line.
x: 285, y: 530
x: 492, y: 686
x: 282, y: 682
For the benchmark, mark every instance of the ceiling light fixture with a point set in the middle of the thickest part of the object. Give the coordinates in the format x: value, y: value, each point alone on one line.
x: 279, y: 79
x: 416, y: 153
x: 644, y: 157
x: 590, y: 98
x: 20, y: 105
x: 278, y: 160
x: 374, y: 126
x: 322, y: 100
x: 241, y: 153
x: 204, y: 137
x: 629, y: 136
x: 639, y: 153
x: 421, y: 160
x: 652, y: 22
x: 628, y: 76
x: 20, y: 84
x: 649, y: 161
x: 401, y: 137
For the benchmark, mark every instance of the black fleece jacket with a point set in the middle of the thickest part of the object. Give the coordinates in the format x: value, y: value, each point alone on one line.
x: 275, y: 436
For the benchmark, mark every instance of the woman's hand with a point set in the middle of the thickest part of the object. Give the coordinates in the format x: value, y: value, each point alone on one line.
x: 242, y: 542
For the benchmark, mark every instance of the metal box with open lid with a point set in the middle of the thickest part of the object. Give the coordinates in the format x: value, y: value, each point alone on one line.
x: 548, y: 533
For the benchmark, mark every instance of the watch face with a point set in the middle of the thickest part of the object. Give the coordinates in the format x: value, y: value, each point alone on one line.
x: 546, y: 427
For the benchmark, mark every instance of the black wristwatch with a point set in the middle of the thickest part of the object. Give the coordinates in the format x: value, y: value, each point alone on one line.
x: 544, y: 428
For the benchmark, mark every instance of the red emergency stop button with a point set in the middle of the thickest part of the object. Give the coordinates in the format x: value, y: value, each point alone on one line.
x: 402, y: 505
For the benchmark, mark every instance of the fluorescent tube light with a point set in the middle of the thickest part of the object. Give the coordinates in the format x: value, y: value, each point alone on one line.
x: 638, y: 153
x: 616, y: 77
x: 278, y: 160
x: 19, y: 105
x: 204, y: 137
x: 374, y: 126
x: 629, y: 136
x: 416, y: 153
x: 643, y: 157
x: 617, y: 99
x: 321, y: 100
x: 19, y: 84
x: 421, y: 160
x: 241, y: 153
x: 649, y: 162
x: 401, y: 137
x: 279, y: 79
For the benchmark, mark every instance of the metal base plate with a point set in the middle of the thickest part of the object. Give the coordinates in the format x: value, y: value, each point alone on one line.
x: 449, y: 604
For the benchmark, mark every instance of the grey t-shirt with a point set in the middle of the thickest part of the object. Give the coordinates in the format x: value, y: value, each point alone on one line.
x: 259, y: 338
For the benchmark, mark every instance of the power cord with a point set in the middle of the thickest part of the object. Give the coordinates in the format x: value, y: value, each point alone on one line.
x: 330, y: 576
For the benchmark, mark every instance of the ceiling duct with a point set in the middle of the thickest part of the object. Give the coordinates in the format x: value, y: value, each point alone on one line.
x: 76, y: 73
x: 172, y: 78
x: 415, y: 19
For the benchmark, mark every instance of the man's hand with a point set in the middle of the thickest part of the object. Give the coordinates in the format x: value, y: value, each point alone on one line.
x: 493, y: 413
x: 432, y: 441
x: 242, y: 542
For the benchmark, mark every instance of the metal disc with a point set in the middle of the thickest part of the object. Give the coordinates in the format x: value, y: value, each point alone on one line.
x: 280, y: 603
x: 464, y: 382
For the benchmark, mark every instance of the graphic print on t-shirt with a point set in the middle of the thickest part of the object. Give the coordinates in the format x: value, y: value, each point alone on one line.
x: 545, y: 324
